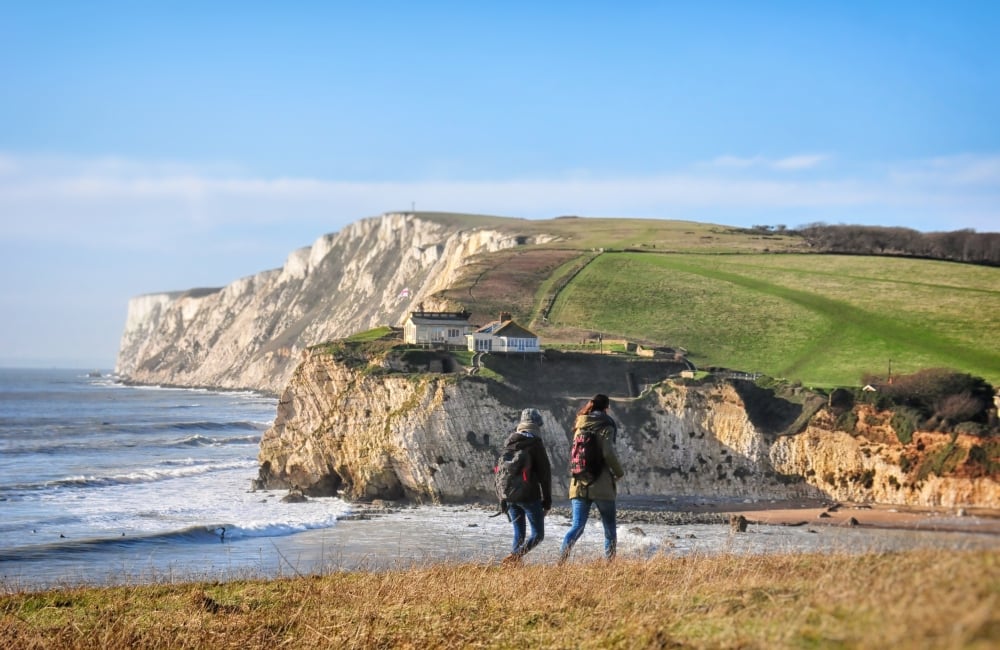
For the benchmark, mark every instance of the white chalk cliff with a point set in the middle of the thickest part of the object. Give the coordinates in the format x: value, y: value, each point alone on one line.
x: 250, y: 333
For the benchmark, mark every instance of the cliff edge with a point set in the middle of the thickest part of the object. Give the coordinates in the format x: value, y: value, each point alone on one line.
x: 368, y: 426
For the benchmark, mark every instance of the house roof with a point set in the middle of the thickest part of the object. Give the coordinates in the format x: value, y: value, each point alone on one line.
x: 506, y: 328
x: 490, y: 327
x: 439, y: 320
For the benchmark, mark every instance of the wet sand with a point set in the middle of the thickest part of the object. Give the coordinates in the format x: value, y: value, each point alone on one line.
x: 825, y: 513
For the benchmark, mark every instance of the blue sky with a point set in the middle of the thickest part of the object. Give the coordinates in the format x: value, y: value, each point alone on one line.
x: 152, y: 147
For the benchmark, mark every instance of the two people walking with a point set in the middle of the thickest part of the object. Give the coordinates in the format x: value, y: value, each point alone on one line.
x: 534, y: 498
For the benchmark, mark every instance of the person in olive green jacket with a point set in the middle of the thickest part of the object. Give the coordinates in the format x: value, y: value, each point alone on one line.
x: 602, y: 491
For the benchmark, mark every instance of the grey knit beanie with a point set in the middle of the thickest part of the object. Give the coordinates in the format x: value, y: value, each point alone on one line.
x: 531, y: 416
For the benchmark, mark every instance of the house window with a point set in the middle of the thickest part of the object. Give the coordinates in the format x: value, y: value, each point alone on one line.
x: 454, y: 333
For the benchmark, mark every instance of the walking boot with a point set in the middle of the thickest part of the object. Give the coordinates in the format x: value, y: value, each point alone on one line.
x: 511, y: 560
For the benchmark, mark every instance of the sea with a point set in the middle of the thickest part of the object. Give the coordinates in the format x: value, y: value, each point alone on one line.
x: 103, y: 483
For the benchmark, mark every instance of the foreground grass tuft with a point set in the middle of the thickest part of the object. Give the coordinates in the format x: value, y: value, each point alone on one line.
x: 914, y: 599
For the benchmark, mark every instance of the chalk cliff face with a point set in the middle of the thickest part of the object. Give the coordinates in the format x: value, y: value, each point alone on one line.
x: 249, y: 334
x: 435, y: 437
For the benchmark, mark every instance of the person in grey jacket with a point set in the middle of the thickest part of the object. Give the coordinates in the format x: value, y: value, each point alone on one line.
x: 603, y: 490
x: 538, y: 499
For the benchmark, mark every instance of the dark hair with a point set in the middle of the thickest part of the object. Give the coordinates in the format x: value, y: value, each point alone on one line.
x: 599, y: 402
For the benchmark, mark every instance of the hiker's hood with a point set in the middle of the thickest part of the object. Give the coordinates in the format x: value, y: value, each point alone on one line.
x: 594, y: 421
x: 528, y: 428
x: 522, y: 439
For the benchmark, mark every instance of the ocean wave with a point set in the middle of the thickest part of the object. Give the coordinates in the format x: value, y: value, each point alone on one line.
x: 240, y: 393
x: 158, y: 387
x: 210, y: 425
x: 65, y: 546
x: 170, y: 470
x: 205, y: 441
x: 62, y: 448
x: 57, y: 425
x: 194, y: 425
x: 222, y: 533
x: 137, y: 436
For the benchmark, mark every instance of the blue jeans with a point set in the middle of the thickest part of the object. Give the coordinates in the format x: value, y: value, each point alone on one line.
x: 581, y: 512
x: 532, y: 512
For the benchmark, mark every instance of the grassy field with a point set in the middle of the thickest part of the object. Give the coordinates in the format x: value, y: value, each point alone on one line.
x: 616, y: 234
x: 917, y: 599
x: 749, y: 300
x: 820, y: 319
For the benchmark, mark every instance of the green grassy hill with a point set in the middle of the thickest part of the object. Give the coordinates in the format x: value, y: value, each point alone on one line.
x: 820, y: 319
x: 725, y: 296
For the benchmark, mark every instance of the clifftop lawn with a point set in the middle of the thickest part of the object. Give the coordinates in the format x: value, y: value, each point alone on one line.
x: 915, y: 599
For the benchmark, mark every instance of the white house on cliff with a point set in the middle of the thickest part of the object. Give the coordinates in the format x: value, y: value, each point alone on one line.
x: 448, y: 328
x: 503, y: 335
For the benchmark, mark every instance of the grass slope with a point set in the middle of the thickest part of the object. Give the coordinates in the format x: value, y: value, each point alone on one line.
x: 650, y: 234
x: 724, y: 295
x: 820, y: 319
x: 916, y: 599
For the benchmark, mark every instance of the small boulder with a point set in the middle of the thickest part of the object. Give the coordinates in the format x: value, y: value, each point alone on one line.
x: 294, y: 496
x: 737, y: 524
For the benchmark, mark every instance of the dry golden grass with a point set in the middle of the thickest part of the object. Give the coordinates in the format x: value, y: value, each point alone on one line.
x: 918, y: 599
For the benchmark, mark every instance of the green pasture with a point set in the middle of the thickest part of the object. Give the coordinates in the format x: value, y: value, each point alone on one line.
x: 655, y: 235
x: 821, y: 319
x: 371, y: 335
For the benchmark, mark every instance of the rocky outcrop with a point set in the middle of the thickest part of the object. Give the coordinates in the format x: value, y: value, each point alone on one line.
x: 250, y: 333
x: 358, y: 429
x: 856, y: 468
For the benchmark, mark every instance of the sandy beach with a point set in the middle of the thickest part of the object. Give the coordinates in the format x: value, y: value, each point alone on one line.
x: 823, y: 513
x: 672, y: 525
x: 697, y: 510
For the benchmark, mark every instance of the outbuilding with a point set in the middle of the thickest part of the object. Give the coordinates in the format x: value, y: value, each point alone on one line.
x: 447, y: 328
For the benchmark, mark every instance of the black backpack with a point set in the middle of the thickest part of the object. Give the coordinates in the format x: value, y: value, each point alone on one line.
x: 513, y: 475
x: 586, y: 459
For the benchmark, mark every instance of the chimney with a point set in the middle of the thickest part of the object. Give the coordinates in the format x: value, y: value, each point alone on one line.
x: 504, y: 316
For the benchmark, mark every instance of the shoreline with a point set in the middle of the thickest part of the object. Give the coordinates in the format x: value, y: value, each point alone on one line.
x: 682, y: 511
x: 827, y: 513
x: 381, y: 535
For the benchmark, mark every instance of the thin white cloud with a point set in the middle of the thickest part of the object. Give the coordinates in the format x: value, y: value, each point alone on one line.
x: 789, y: 163
x: 736, y: 162
x: 965, y: 170
x: 804, y: 161
x: 114, y: 202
